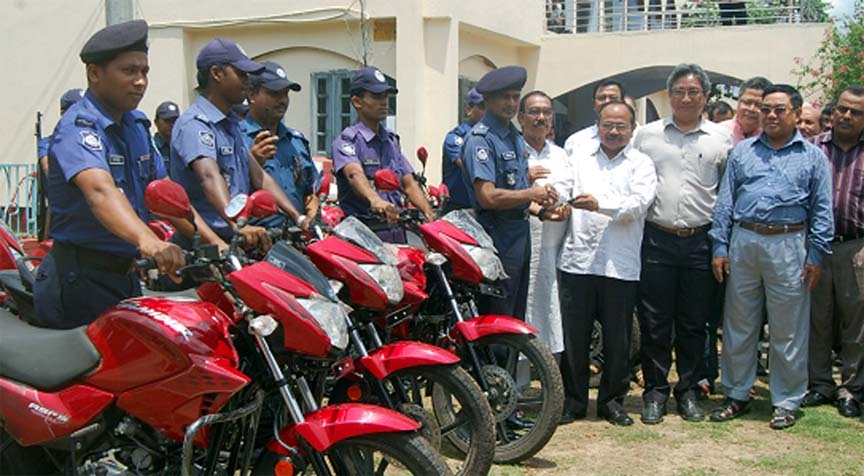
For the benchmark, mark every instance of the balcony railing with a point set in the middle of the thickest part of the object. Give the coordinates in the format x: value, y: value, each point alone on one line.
x: 596, y: 16
x: 18, y: 186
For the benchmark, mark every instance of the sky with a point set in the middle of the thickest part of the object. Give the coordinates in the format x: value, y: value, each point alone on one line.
x: 841, y: 7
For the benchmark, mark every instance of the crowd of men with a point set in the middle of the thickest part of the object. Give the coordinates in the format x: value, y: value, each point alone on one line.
x: 677, y: 219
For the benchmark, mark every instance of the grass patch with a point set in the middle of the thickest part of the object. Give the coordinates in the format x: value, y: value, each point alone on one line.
x: 697, y: 472
x: 632, y: 435
x: 809, y: 464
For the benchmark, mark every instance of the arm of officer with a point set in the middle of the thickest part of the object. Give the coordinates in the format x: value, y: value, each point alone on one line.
x: 493, y: 198
x: 360, y: 185
x: 416, y: 195
x: 208, y: 236
x: 114, y: 211
x: 261, y: 180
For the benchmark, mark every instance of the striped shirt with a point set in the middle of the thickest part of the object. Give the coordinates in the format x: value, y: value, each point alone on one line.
x: 848, y: 180
x: 785, y: 186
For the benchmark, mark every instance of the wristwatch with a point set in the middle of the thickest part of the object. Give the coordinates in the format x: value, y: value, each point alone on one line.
x: 542, y: 213
x: 301, y: 219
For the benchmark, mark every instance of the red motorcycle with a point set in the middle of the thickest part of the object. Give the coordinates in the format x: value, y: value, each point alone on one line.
x: 161, y: 386
x: 513, y: 367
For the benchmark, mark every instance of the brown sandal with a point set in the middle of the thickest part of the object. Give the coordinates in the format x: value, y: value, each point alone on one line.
x: 782, y: 419
x: 730, y: 409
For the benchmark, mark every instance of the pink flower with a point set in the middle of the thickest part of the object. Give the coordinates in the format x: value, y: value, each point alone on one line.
x: 797, y: 59
x: 815, y: 72
x: 842, y: 69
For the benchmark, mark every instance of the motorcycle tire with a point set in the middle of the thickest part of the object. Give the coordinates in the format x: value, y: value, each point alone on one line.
x: 400, y: 453
x: 452, y: 397
x: 538, y: 404
x: 17, y: 460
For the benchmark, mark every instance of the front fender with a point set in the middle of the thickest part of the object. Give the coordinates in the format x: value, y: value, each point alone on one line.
x: 482, y: 326
x: 393, y: 357
x: 334, y: 423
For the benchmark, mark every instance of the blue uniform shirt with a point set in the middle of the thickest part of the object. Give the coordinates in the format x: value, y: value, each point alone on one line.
x: 42, y: 146
x: 204, y: 131
x: 358, y: 144
x: 87, y: 137
x: 785, y: 186
x: 494, y: 151
x: 292, y: 166
x: 163, y: 148
x: 461, y: 192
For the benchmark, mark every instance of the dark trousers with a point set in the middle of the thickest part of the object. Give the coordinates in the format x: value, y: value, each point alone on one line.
x: 676, y: 296
x: 733, y: 13
x: 512, y: 239
x: 710, y: 361
x: 584, y: 299
x: 68, y: 294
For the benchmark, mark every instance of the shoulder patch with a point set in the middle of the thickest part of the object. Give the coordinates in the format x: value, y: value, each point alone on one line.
x: 202, y: 118
x: 348, y: 149
x: 82, y: 122
x: 206, y: 138
x: 91, y: 140
x: 297, y: 134
x: 482, y: 153
x: 458, y: 140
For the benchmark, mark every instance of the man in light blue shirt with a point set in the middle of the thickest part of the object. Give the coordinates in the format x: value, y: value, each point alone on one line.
x: 772, y: 223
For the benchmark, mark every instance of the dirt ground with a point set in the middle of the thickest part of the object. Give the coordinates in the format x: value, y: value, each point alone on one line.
x: 822, y: 443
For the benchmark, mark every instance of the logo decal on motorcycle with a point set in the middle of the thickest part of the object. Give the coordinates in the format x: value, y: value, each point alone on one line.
x: 206, y: 138
x: 482, y: 154
x: 349, y: 149
x: 91, y: 140
x: 165, y: 319
x: 50, y: 415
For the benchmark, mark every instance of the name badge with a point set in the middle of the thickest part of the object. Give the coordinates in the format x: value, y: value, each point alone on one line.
x: 371, y: 161
x: 115, y: 159
x: 144, y: 158
x: 226, y: 150
x: 509, y: 155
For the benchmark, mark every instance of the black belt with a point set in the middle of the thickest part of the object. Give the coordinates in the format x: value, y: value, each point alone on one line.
x: 857, y: 235
x: 771, y: 228
x: 98, y: 260
x: 681, y: 232
x: 504, y: 215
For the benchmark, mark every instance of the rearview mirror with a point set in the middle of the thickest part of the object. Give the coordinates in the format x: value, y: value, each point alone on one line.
x: 167, y: 199
x: 422, y: 155
x: 386, y: 180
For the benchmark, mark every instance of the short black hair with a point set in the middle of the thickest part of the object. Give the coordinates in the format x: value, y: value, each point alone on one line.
x: 536, y: 92
x: 853, y: 89
x: 608, y: 82
x: 721, y: 107
x: 686, y: 69
x: 756, y: 82
x: 629, y: 108
x: 203, y: 76
x: 794, y: 95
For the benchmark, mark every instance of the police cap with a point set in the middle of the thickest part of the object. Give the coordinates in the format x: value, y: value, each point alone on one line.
x: 225, y: 51
x: 273, y: 77
x: 370, y: 79
x: 502, y: 79
x: 112, y: 40
x: 70, y: 97
x: 473, y: 97
x: 167, y: 110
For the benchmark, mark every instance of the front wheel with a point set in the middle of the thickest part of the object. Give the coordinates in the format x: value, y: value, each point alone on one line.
x: 383, y: 454
x: 525, y: 392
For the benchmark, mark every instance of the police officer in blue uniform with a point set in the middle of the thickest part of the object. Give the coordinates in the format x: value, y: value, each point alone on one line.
x: 291, y: 164
x: 366, y: 147
x: 461, y: 191
x: 166, y: 115
x: 496, y: 162
x: 209, y: 155
x: 100, y: 159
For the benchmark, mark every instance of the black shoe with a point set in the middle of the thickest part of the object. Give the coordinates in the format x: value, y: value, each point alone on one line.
x: 515, y: 422
x: 761, y: 371
x: 614, y: 413
x: 815, y: 399
x: 690, y: 410
x: 652, y: 412
x: 848, y: 407
x: 569, y: 417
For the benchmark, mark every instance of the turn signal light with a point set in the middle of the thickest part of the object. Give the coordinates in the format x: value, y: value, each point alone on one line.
x: 284, y: 467
x: 355, y: 393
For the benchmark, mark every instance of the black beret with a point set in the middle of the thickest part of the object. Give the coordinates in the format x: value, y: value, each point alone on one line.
x: 112, y: 40
x: 502, y: 79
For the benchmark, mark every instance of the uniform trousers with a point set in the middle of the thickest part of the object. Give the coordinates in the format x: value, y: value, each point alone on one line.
x: 584, y: 299
x: 676, y: 296
x: 838, y: 298
x: 765, y: 270
x: 512, y: 239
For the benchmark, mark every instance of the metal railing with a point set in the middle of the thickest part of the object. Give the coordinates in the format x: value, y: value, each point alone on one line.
x: 597, y: 16
x: 18, y: 185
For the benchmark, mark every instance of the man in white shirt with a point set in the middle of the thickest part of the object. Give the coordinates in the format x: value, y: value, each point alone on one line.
x: 611, y: 187
x: 605, y: 91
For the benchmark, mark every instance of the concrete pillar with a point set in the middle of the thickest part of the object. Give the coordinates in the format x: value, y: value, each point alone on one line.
x: 118, y: 11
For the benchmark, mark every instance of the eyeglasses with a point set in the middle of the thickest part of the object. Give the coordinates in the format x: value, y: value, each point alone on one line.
x: 680, y: 92
x: 842, y: 110
x: 608, y: 126
x: 778, y: 110
x: 749, y: 103
x: 536, y: 111
x: 607, y: 97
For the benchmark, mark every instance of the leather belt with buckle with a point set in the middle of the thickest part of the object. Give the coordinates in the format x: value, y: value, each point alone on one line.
x: 771, y: 229
x: 681, y: 232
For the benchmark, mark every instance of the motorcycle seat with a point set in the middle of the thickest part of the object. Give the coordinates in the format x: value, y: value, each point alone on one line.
x: 41, y: 358
x: 20, y: 292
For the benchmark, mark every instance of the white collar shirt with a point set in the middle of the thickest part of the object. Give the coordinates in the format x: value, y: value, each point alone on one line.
x: 607, y: 242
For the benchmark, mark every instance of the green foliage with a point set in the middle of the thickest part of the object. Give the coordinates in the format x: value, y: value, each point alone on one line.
x: 838, y: 63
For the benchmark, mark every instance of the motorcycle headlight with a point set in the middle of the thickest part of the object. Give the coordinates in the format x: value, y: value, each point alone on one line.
x: 387, y: 277
x: 331, y: 316
x: 487, y: 260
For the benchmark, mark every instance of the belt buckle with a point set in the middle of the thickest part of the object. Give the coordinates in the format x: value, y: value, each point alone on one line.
x: 684, y: 232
